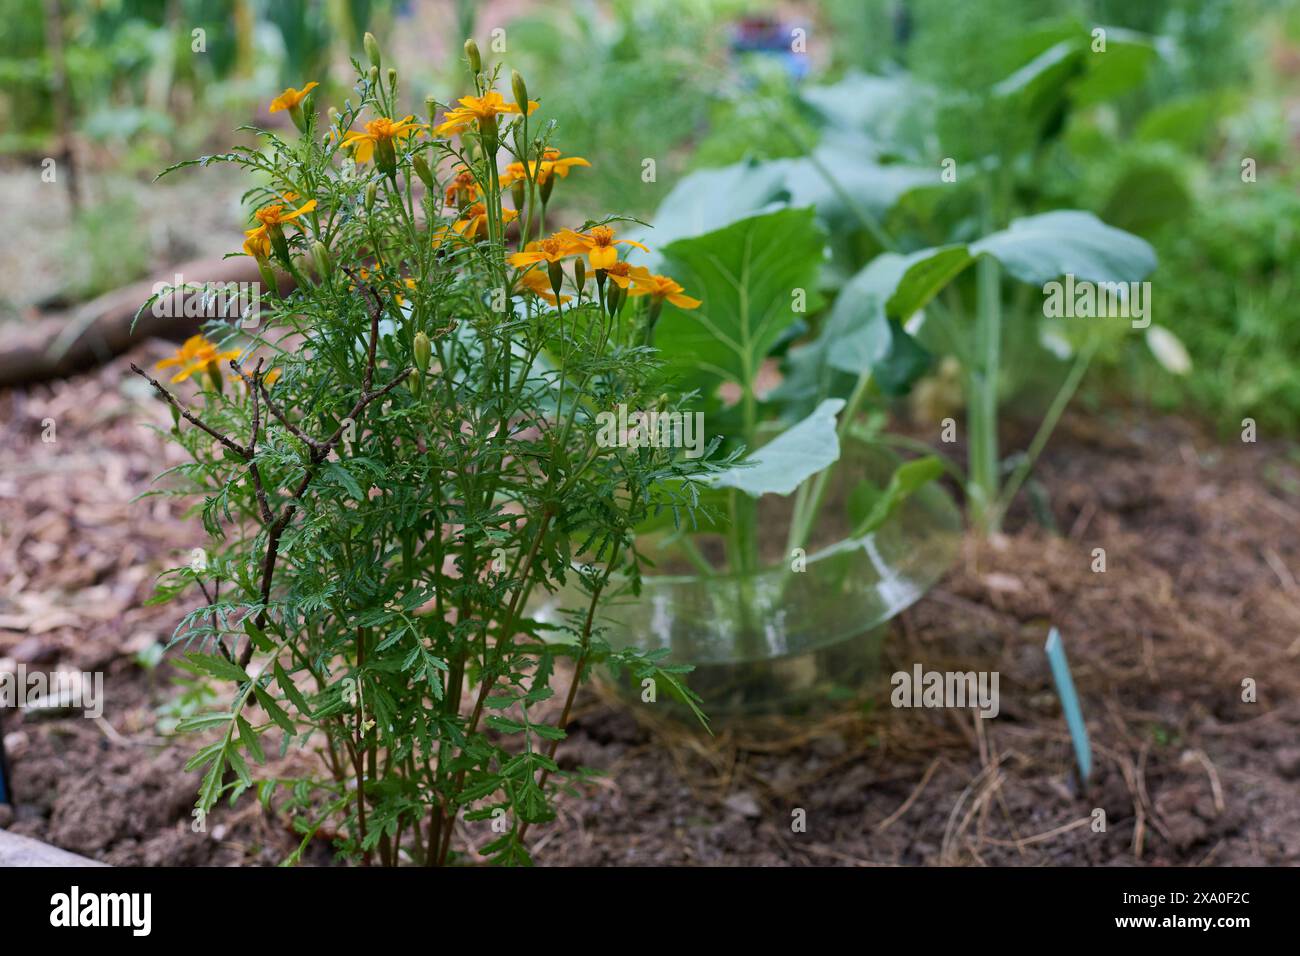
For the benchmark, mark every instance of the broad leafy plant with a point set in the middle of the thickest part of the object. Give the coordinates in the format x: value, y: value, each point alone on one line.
x: 919, y: 221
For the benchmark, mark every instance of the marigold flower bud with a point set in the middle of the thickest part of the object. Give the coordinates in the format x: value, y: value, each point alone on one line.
x: 371, y: 190
x: 580, y: 274
x: 421, y: 350
x: 372, y: 50
x: 430, y: 107
x: 321, y: 258
x: 517, y: 192
x: 373, y: 75
x: 471, y: 54
x: 422, y: 170
x: 392, y: 78
x: 556, y: 272
x: 520, y: 89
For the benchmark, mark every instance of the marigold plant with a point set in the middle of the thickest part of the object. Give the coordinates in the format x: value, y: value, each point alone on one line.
x: 405, y: 457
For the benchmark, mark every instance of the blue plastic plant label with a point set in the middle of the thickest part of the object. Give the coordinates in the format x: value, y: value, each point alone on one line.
x: 1055, y: 648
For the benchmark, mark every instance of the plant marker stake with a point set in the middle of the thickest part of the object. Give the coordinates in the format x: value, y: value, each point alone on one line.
x: 1069, y: 702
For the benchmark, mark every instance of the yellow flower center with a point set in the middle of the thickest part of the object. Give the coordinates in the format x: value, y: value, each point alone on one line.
x: 602, y: 236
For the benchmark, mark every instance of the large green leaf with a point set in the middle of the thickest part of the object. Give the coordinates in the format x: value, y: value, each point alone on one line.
x: 710, y: 199
x: 860, y: 333
x: 1040, y: 248
x: 750, y: 276
x: 780, y: 466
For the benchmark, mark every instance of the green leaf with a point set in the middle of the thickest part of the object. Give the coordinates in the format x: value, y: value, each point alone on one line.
x: 1037, y: 249
x: 780, y: 466
x: 904, y: 482
x: 274, y: 711
x: 218, y: 667
x: 344, y: 477
x: 710, y: 199
x: 248, y: 736
x: 747, y: 275
x: 291, y: 691
x: 504, y: 725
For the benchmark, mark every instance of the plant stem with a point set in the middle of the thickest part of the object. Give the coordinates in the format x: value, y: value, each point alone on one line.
x: 983, y: 424
x: 1045, y: 429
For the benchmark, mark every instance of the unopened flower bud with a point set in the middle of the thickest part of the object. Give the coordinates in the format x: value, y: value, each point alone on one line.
x: 421, y: 350
x: 471, y: 54
x: 373, y: 75
x: 520, y: 90
x: 556, y: 272
x: 547, y: 187
x: 580, y: 275
x: 517, y: 192
x: 392, y: 78
x: 372, y: 50
x: 422, y: 170
x: 371, y: 190
x: 430, y: 107
x: 320, y: 256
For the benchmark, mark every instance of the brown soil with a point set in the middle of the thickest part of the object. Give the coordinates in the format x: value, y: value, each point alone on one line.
x: 1202, y: 549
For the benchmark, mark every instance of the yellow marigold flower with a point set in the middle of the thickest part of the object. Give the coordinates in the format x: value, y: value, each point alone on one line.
x: 196, y: 355
x: 551, y: 249
x: 472, y: 224
x: 481, y: 109
x: 550, y: 164
x: 381, y: 132
x: 538, y: 282
x: 599, y: 245
x: 624, y: 274
x: 291, y: 97
x: 660, y: 288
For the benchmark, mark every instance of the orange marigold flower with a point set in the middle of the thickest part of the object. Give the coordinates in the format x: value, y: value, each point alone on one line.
x: 258, y: 244
x: 291, y: 97
x: 196, y: 355
x: 472, y: 224
x: 274, y: 214
x: 550, y: 164
x: 463, y: 189
x: 551, y: 249
x: 624, y: 274
x: 599, y: 245
x: 272, y: 217
x: 661, y: 288
x: 381, y: 131
x: 481, y: 109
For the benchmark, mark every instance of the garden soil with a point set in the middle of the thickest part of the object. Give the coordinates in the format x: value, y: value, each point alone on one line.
x: 1198, y: 608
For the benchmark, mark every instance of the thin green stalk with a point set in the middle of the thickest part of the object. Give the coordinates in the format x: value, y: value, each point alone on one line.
x: 1044, y: 432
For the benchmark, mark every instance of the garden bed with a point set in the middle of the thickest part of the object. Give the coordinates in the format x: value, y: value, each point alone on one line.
x: 1200, y: 593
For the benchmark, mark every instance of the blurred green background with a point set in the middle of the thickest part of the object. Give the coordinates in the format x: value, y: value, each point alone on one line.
x: 114, y: 90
